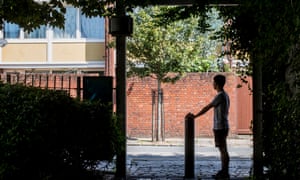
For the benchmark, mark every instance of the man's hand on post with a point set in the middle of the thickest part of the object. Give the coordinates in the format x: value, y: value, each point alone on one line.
x: 190, y: 116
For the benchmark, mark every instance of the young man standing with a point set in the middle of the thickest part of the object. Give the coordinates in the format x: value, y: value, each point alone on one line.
x: 221, y: 104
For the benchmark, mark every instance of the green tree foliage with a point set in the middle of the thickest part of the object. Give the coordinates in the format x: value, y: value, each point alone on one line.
x: 31, y: 14
x: 176, y: 47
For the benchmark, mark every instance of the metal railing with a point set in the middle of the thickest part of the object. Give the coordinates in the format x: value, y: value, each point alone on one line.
x: 70, y: 83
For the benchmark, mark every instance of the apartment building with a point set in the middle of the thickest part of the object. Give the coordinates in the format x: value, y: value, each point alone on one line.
x: 79, y: 48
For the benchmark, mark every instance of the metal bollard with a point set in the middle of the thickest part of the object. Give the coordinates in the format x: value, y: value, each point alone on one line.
x: 189, y: 145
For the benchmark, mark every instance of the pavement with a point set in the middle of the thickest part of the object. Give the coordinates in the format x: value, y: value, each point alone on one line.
x: 147, y: 160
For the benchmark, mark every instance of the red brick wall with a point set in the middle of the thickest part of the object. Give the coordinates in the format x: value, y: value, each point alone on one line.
x: 189, y: 94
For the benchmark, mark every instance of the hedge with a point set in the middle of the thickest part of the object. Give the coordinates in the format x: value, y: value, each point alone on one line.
x: 45, y: 134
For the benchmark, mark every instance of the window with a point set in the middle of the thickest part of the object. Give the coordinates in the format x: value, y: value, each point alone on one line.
x: 37, y: 33
x: 75, y: 23
x: 70, y: 25
x: 11, y: 30
x: 92, y: 28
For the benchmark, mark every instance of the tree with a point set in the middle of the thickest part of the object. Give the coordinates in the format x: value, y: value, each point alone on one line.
x: 178, y: 47
x: 157, y: 50
x: 30, y: 14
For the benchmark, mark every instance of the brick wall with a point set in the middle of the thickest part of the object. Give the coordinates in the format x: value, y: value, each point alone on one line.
x: 189, y: 94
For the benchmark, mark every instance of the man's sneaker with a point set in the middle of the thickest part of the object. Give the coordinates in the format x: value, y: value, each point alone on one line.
x: 221, y: 175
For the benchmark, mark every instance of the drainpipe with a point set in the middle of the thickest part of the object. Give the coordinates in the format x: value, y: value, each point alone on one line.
x: 107, y: 57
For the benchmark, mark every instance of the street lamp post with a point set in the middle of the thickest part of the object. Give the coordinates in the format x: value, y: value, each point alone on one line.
x: 121, y: 26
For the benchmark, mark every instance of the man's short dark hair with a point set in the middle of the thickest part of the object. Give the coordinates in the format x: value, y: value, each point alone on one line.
x: 220, y: 80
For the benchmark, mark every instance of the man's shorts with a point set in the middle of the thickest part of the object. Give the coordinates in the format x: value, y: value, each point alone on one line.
x: 220, y: 137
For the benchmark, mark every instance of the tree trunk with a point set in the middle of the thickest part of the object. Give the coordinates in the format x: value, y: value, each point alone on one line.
x: 154, y: 133
x: 159, y: 114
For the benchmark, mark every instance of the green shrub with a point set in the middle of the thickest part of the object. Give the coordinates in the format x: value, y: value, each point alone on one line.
x: 281, y: 134
x: 45, y: 134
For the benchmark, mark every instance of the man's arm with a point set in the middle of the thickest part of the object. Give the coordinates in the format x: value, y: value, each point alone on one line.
x: 203, y: 110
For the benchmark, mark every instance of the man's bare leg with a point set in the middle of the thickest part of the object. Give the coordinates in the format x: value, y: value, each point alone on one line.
x: 224, y: 159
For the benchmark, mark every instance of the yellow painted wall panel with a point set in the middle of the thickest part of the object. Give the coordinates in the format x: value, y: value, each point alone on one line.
x: 95, y: 51
x: 68, y: 52
x: 35, y: 52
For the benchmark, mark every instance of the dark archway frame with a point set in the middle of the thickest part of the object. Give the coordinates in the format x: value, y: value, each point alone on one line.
x: 121, y: 90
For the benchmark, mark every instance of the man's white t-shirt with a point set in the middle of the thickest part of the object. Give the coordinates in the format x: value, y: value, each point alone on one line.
x: 221, y: 105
